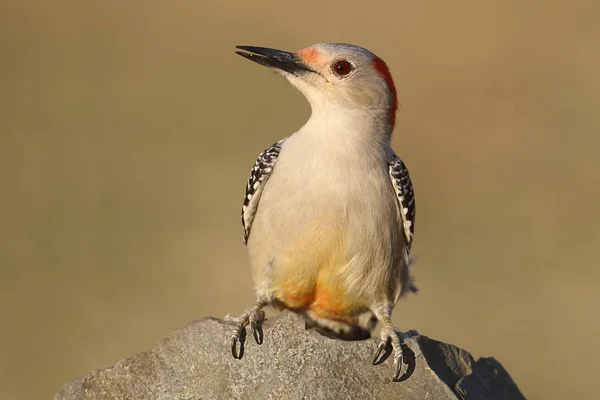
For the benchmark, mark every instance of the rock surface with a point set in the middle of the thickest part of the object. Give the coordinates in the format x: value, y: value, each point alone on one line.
x: 292, y: 363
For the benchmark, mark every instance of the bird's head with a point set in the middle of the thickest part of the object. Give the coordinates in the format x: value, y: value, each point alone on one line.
x: 334, y: 75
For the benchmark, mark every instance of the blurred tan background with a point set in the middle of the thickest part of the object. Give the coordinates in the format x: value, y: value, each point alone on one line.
x: 127, y: 131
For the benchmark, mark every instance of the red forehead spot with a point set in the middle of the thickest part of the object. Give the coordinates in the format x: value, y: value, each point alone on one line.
x: 383, y: 70
x: 309, y: 55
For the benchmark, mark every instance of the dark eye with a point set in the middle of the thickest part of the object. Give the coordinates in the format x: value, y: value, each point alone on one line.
x: 342, y: 68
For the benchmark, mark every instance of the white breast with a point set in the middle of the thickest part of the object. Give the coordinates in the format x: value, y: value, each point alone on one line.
x: 330, y: 204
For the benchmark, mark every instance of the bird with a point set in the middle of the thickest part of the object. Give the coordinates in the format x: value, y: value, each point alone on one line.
x: 329, y: 211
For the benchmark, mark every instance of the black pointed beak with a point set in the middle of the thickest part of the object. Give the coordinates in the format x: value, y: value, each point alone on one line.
x: 283, y: 60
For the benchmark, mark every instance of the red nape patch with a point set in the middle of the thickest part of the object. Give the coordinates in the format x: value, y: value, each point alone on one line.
x: 381, y: 67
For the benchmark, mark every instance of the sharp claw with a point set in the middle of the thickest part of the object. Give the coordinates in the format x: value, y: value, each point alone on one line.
x: 257, y: 331
x: 234, y: 352
x: 234, y: 347
x: 398, y: 367
x: 398, y: 371
x: 378, y: 352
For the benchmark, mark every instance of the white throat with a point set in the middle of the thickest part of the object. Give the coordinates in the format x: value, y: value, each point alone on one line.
x: 355, y: 131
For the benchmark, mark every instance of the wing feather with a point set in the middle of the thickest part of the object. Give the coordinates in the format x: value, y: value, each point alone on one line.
x: 406, y: 197
x: 262, y: 169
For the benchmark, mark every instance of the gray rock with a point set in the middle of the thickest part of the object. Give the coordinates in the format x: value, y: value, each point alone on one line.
x: 292, y: 363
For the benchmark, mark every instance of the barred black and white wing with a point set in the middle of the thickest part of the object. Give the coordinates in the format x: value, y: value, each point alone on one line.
x: 406, y: 197
x: 262, y: 169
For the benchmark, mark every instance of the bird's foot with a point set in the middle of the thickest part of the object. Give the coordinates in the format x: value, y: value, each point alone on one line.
x: 390, y: 334
x: 253, y: 316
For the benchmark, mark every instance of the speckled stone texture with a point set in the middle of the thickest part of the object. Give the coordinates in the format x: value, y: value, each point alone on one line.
x: 292, y: 363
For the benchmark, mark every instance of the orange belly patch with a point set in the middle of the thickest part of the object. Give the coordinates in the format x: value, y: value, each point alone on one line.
x: 329, y: 303
x: 324, y: 300
x: 296, y: 298
x: 316, y: 286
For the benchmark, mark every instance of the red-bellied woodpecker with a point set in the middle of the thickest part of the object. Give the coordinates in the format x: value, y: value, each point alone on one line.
x: 329, y: 211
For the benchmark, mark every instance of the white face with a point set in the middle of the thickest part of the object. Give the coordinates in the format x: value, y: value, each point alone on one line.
x: 333, y: 76
x: 344, y: 76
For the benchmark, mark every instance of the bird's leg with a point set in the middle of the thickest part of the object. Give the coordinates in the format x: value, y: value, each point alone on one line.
x: 253, y: 316
x: 389, y: 333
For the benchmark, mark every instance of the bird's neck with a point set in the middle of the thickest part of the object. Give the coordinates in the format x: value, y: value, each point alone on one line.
x: 336, y: 126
